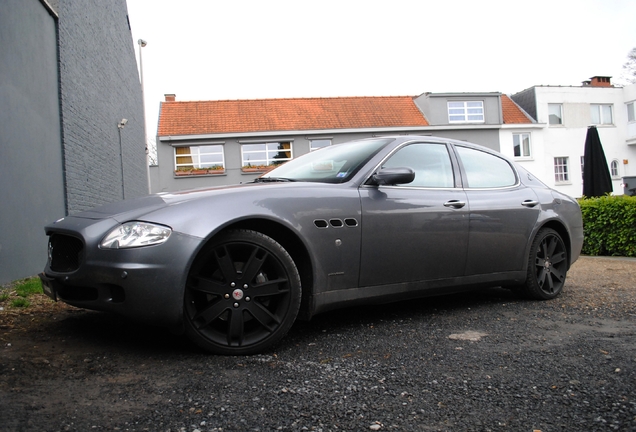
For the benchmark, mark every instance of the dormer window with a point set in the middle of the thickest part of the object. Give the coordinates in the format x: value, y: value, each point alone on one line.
x: 465, y: 111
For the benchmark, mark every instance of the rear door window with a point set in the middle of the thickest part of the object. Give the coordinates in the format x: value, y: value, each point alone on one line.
x: 485, y: 170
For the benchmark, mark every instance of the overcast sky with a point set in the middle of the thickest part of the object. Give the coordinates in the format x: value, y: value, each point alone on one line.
x: 254, y: 49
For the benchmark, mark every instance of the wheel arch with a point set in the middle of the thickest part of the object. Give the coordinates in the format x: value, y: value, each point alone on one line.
x: 292, y: 243
x: 560, y: 228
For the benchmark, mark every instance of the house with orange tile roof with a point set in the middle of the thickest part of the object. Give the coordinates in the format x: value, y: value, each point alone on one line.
x: 209, y: 143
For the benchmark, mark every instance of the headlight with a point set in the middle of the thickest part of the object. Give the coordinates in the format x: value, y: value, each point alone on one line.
x: 135, y: 234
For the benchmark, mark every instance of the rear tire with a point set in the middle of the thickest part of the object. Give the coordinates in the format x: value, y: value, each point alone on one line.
x: 547, y: 266
x: 242, y: 294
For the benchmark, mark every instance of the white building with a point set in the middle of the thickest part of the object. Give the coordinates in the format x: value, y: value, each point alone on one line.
x: 552, y: 148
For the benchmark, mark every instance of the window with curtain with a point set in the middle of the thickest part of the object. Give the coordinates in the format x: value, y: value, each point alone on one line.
x: 263, y: 156
x: 614, y: 169
x: 555, y: 114
x: 521, y: 145
x: 561, y: 172
x: 601, y: 114
x: 194, y: 159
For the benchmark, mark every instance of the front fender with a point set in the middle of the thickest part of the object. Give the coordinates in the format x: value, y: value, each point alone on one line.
x: 325, y: 218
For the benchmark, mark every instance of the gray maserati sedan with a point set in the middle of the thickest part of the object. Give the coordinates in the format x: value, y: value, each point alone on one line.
x: 368, y: 221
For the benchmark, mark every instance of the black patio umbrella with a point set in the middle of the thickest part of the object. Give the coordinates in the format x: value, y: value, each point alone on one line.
x: 596, y: 177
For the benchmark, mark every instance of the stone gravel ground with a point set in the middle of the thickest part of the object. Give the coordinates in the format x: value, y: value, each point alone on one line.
x: 484, y: 361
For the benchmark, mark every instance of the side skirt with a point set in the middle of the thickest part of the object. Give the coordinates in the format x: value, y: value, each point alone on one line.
x: 337, y: 299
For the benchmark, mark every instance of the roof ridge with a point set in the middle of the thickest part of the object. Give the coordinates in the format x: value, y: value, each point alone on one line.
x: 291, y: 98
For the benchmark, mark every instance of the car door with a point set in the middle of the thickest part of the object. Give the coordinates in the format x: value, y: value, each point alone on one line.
x: 416, y: 231
x: 503, y: 213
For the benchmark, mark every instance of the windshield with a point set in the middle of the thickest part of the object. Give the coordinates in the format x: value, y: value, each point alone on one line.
x: 332, y: 164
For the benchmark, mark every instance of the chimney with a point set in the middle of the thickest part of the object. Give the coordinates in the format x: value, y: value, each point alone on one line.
x: 600, y: 81
x: 170, y: 97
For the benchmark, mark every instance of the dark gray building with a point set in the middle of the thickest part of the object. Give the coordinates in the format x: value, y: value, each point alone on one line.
x: 68, y: 77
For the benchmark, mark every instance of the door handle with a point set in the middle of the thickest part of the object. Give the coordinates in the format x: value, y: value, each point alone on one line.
x: 454, y: 204
x: 529, y: 203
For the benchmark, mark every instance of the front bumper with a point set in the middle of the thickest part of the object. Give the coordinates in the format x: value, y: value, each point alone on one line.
x: 145, y: 283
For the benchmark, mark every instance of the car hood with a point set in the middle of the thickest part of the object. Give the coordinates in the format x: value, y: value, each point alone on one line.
x: 137, y: 208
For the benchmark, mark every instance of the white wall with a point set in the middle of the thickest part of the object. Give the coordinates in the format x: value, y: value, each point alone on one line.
x: 630, y: 96
x: 568, y: 140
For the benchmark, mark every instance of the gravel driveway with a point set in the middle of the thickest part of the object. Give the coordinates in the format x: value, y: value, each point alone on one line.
x: 484, y: 361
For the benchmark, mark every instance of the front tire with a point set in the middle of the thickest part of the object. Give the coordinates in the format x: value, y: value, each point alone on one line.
x: 242, y: 294
x: 547, y: 266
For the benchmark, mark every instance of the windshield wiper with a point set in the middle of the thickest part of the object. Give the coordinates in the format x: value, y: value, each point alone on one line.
x: 272, y: 179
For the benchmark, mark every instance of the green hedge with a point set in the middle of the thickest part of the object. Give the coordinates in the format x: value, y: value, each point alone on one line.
x: 609, y: 225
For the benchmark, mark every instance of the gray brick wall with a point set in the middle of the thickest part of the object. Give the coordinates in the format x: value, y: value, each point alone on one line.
x: 99, y: 87
x: 68, y: 75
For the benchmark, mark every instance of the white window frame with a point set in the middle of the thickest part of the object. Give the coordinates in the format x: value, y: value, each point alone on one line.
x: 615, y: 169
x: 470, y: 111
x: 197, y: 155
x: 599, y: 114
x: 518, y: 140
x: 631, y: 112
x: 560, y: 115
x: 561, y: 170
x: 269, y: 161
x: 582, y: 166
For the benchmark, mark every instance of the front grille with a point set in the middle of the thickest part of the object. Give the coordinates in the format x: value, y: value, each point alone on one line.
x: 65, y: 253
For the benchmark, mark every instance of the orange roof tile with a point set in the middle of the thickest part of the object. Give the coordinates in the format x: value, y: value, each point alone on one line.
x: 512, y: 114
x: 264, y: 115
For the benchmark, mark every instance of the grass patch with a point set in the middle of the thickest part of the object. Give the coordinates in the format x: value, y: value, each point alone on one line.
x: 26, y: 287
x: 17, y: 293
x: 20, y: 303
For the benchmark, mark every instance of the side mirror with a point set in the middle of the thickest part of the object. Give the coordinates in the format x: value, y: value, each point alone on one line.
x: 393, y: 176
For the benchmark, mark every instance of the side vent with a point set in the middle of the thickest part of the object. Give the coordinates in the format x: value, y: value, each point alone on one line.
x: 351, y: 222
x: 321, y: 223
x: 336, y: 223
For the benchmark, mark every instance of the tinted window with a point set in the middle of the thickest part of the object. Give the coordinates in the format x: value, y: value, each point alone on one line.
x: 485, y: 170
x: 430, y: 162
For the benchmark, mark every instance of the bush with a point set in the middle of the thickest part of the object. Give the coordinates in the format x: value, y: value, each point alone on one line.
x: 609, y: 225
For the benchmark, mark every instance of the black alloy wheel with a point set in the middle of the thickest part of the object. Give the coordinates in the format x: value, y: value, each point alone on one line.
x: 242, y: 294
x: 547, y: 266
